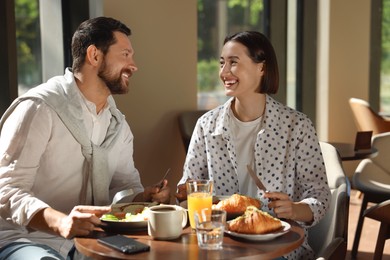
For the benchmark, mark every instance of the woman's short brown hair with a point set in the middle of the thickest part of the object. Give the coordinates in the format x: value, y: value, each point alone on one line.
x: 260, y: 50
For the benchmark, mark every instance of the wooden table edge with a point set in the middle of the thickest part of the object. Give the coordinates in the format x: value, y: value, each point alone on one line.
x: 112, y: 254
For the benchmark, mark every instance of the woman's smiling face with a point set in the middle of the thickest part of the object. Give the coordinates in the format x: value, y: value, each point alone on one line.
x: 239, y: 74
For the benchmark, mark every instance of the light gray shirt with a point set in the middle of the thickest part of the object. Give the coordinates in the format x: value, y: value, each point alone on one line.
x: 47, y: 170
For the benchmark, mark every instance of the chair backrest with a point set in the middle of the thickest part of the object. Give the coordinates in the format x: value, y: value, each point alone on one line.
x: 367, y: 119
x: 334, y: 225
x: 379, y: 212
x: 381, y: 142
x: 372, y: 175
x: 187, y: 122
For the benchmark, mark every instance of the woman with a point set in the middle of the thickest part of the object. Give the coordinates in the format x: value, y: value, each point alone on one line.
x: 253, y: 129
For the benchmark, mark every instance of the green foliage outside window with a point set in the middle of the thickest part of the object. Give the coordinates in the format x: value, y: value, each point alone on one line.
x: 252, y: 8
x: 241, y: 15
x: 208, y: 75
x: 28, y: 42
x: 386, y: 37
x: 385, y: 63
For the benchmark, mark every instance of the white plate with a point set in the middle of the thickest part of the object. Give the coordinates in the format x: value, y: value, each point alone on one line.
x: 262, y: 237
x: 114, y: 226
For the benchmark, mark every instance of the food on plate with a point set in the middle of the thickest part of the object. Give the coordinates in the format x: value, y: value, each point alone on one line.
x: 255, y: 221
x: 237, y: 203
x: 128, y: 213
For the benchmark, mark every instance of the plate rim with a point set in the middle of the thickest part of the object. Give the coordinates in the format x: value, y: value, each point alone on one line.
x: 261, y: 237
x: 138, y: 223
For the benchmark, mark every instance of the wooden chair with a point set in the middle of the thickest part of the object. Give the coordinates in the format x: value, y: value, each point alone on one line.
x: 381, y: 213
x: 187, y: 122
x: 372, y: 179
x: 329, y: 237
x: 367, y: 119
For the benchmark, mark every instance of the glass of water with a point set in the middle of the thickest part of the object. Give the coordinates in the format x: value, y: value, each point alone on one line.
x: 210, y: 226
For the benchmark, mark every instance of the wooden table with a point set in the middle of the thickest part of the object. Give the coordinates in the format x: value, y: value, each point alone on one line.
x: 186, y: 247
x: 347, y: 152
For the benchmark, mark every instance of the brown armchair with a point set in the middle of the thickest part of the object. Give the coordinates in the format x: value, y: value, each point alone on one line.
x: 187, y: 122
x: 372, y: 179
x: 381, y: 213
x: 367, y: 119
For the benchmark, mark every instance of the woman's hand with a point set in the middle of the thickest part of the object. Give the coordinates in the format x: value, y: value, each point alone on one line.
x: 181, y: 193
x: 284, y: 207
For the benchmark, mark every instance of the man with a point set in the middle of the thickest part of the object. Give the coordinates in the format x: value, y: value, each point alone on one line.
x: 65, y: 144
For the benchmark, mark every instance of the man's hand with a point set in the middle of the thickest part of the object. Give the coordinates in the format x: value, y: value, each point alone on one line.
x: 80, y: 222
x: 159, y: 192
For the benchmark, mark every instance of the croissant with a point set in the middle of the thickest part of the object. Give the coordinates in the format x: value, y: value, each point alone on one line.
x: 255, y: 221
x: 237, y: 203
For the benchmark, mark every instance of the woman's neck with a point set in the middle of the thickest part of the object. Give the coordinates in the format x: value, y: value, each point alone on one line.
x: 249, y: 108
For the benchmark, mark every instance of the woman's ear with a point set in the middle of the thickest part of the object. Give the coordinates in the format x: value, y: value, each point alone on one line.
x: 93, y: 55
x: 261, y: 66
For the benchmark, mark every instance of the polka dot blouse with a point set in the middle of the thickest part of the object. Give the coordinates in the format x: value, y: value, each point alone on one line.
x: 287, y: 158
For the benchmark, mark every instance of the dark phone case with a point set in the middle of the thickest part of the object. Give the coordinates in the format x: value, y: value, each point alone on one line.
x: 124, y: 244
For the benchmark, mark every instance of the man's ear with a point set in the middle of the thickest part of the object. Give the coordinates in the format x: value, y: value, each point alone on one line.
x: 93, y: 55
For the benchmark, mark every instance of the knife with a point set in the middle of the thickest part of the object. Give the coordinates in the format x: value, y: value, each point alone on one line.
x: 163, y: 178
x: 258, y: 182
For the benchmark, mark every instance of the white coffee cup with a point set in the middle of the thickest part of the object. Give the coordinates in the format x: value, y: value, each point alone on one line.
x: 166, y: 222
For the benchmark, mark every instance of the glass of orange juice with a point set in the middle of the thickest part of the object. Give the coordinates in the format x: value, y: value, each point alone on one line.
x: 199, y: 196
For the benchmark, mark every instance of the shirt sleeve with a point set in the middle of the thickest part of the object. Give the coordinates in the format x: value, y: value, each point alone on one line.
x: 195, y: 166
x: 312, y: 174
x: 23, y: 140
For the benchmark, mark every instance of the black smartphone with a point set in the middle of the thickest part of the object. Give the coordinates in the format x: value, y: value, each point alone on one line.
x: 124, y: 244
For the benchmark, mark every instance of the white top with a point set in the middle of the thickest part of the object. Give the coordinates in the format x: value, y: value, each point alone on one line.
x: 245, y: 137
x: 95, y: 124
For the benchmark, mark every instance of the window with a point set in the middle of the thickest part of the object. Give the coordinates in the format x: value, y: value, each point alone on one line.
x: 290, y: 25
x: 216, y: 20
x: 28, y: 44
x: 385, y: 59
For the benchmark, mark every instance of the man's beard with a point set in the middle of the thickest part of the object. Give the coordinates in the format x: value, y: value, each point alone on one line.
x: 115, y: 85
